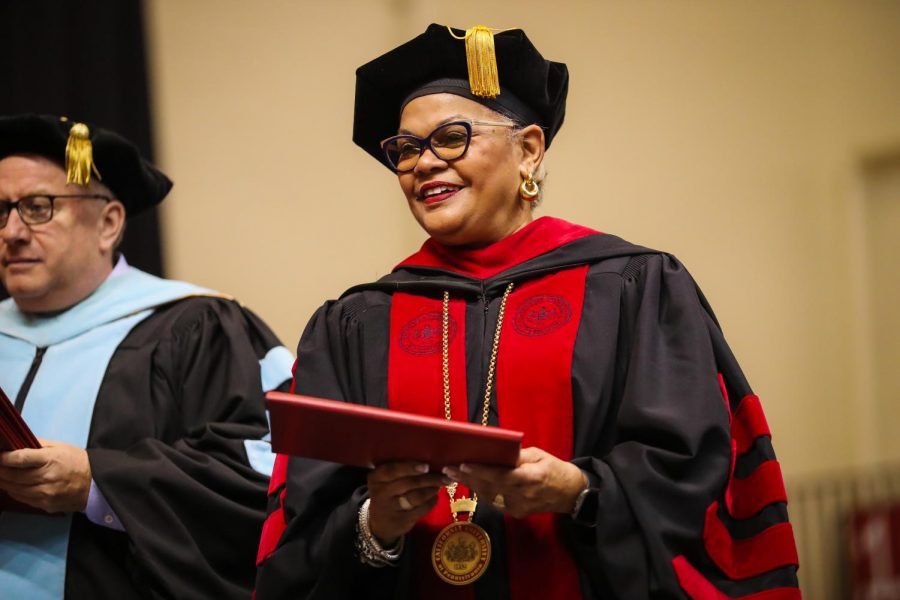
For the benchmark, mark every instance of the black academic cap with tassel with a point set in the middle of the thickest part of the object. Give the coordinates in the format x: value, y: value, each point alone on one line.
x: 500, y: 69
x: 87, y: 151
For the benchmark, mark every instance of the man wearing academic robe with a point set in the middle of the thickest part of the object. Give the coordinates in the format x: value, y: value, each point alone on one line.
x: 146, y: 394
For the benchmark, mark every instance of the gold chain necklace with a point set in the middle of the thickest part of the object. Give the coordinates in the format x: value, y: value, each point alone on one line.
x: 462, y: 550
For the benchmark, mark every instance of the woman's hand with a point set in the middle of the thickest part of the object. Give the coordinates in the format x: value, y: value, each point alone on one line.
x: 400, y: 493
x: 539, y: 483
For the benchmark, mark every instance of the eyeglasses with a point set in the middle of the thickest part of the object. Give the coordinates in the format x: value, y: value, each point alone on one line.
x: 448, y: 142
x: 37, y: 209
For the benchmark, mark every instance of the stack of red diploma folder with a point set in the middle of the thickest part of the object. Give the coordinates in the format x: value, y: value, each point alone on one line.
x: 14, y: 435
x: 364, y: 436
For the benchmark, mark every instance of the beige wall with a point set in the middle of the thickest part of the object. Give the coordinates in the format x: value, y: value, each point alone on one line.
x: 730, y: 133
x: 882, y: 234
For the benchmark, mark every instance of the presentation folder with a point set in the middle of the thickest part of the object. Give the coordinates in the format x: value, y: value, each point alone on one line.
x: 14, y: 433
x: 365, y: 436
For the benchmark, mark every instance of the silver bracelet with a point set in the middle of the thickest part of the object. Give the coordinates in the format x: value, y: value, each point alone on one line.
x: 368, y: 548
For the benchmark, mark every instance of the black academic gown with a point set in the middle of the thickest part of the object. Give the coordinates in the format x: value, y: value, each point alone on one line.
x: 651, y: 430
x: 180, y: 395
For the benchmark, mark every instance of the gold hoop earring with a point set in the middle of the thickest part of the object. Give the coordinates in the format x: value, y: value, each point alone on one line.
x: 529, y: 190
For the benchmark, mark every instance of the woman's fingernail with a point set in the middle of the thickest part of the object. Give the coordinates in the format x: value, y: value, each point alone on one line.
x: 450, y: 472
x: 423, y: 468
x: 465, y: 468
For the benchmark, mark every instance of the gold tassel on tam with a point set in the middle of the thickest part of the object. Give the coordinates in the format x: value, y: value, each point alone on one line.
x: 80, y: 156
x: 481, y: 57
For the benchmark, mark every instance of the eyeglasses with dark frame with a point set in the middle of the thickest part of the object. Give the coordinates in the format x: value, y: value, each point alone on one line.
x: 448, y: 142
x: 38, y: 208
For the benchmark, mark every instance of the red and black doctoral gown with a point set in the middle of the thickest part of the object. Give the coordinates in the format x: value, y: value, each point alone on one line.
x: 610, y: 357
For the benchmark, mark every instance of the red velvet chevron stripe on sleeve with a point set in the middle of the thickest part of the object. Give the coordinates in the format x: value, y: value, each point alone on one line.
x: 748, y: 423
x: 275, y: 523
x: 698, y: 588
x: 753, y: 493
x: 279, y: 473
x: 744, y: 497
x: 769, y: 549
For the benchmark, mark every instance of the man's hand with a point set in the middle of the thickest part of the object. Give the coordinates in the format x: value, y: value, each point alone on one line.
x: 55, y: 478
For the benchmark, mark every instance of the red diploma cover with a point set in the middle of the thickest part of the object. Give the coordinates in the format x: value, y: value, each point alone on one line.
x: 14, y: 435
x: 364, y: 436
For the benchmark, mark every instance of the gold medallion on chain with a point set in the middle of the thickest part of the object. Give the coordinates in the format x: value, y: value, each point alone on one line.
x: 462, y: 550
x: 461, y: 553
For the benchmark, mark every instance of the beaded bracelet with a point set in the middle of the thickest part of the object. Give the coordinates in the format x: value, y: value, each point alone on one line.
x: 368, y: 549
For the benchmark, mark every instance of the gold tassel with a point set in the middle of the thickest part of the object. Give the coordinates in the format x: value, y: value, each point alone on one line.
x: 481, y: 58
x: 80, y: 156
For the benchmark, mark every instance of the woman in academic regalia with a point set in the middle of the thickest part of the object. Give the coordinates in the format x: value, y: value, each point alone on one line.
x: 646, y: 469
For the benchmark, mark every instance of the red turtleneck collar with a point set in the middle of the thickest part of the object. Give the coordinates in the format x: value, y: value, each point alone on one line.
x: 538, y: 237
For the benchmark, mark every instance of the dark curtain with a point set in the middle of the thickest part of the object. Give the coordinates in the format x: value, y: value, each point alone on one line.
x: 84, y: 59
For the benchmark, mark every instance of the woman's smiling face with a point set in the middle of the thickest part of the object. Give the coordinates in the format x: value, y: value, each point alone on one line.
x: 472, y: 200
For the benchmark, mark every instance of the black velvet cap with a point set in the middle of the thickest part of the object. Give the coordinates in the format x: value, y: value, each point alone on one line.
x: 433, y: 61
x: 133, y: 181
